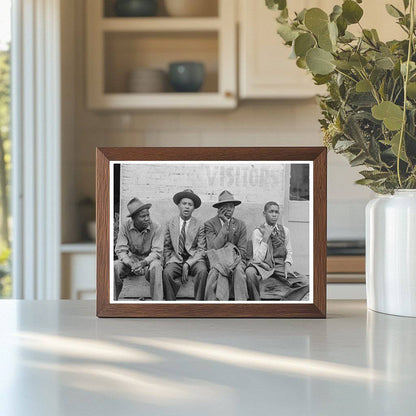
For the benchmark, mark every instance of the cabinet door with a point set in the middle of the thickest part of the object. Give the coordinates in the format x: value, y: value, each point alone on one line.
x: 265, y: 68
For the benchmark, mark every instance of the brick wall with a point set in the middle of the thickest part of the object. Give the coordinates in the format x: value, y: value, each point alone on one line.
x: 253, y: 184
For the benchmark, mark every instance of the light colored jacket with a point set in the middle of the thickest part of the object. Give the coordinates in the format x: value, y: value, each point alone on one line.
x: 195, y: 243
x: 260, y: 247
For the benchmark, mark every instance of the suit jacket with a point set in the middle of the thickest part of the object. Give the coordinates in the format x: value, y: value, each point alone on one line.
x: 195, y: 243
x: 217, y: 236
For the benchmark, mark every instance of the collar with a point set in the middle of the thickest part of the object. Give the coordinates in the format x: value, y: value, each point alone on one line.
x: 222, y: 222
x: 146, y: 230
x: 181, y: 221
x: 275, y: 226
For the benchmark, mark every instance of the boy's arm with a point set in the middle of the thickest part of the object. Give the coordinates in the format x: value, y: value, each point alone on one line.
x: 259, y: 246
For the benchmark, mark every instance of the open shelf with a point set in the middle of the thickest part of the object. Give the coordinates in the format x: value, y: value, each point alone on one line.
x: 116, y: 46
x: 210, y: 8
x: 127, y: 51
x: 160, y: 24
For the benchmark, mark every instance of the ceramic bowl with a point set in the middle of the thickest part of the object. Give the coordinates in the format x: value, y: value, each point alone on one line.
x: 186, y: 76
x: 135, y: 8
x: 147, y: 80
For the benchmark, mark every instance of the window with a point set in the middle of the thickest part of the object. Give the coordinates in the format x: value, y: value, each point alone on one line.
x: 5, y: 145
x: 299, y: 182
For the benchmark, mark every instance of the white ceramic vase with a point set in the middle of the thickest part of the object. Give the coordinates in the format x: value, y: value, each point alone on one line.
x: 391, y: 253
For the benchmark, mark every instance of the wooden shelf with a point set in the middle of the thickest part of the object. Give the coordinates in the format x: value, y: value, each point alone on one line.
x: 346, y: 264
x: 159, y: 24
x: 116, y: 46
x: 81, y: 247
x: 163, y: 101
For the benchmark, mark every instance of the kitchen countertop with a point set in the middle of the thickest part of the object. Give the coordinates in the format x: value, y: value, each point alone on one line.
x: 57, y: 358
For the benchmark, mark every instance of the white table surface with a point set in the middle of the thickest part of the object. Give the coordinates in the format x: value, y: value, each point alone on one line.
x: 57, y: 358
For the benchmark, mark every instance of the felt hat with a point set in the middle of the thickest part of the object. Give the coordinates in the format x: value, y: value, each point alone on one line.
x: 224, y: 197
x: 135, y: 205
x: 187, y: 193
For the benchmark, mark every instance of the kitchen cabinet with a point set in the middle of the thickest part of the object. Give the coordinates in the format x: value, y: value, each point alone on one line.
x: 118, y: 45
x: 265, y: 70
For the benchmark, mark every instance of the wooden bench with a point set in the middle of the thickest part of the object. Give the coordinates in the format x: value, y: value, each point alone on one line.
x: 138, y: 288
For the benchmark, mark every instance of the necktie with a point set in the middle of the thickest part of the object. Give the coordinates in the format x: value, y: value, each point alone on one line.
x: 181, y: 246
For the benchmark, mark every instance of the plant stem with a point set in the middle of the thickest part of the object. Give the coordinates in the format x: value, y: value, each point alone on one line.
x: 345, y: 75
x: 373, y: 90
x: 406, y: 79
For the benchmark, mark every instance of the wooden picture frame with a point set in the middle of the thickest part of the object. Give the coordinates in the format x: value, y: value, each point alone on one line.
x: 315, y: 308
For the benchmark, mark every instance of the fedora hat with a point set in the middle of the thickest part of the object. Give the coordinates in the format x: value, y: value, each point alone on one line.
x: 187, y: 193
x: 135, y: 205
x: 224, y: 197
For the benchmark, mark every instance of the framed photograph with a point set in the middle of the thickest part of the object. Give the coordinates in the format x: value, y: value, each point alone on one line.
x: 211, y: 232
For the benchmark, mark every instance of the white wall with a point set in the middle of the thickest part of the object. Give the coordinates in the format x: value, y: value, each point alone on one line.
x: 257, y: 123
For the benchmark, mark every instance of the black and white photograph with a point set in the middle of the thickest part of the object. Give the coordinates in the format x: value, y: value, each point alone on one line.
x: 192, y: 231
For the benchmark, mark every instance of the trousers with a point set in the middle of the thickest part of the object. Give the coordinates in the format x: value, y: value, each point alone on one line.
x: 172, y: 275
x: 153, y: 275
x: 238, y: 283
x: 294, y: 287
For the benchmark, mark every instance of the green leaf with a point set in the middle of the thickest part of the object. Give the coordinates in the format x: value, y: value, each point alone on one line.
x: 351, y: 11
x: 361, y: 99
x: 411, y: 90
x: 301, y: 63
x: 393, y: 11
x: 333, y: 32
x: 412, y: 67
x: 347, y: 37
x: 342, y: 25
x: 316, y: 20
x: 363, y: 86
x: 385, y: 63
x: 364, y: 181
x: 324, y: 42
x: 374, y: 150
x: 336, y: 12
x: 358, y: 160
x: 300, y: 17
x: 358, y: 61
x: 368, y: 36
x: 375, y: 35
x: 276, y: 4
x: 303, y: 43
x: 321, y: 79
x: 390, y: 113
x: 374, y: 175
x: 286, y: 32
x: 343, y: 145
x: 343, y: 65
x: 327, y: 40
x: 319, y: 61
x: 394, y: 144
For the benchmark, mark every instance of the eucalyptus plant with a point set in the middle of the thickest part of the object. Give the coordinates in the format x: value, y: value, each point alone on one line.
x: 369, y: 112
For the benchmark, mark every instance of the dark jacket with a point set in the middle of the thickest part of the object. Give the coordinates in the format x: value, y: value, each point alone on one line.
x: 217, y: 235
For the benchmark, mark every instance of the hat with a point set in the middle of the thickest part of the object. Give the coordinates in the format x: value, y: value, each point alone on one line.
x: 135, y: 205
x: 224, y: 197
x: 187, y: 193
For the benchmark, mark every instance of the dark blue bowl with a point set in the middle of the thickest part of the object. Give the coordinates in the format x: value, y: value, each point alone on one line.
x: 136, y: 8
x: 186, y: 76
